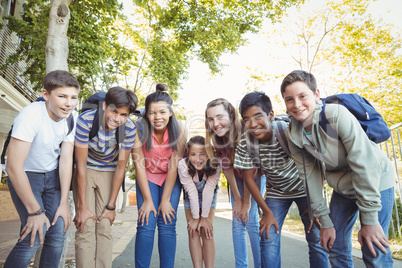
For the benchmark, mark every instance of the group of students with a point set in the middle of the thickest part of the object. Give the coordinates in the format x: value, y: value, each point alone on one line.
x: 264, y: 168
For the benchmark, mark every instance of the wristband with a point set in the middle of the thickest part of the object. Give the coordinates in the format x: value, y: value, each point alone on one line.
x: 40, y: 211
x: 109, y: 207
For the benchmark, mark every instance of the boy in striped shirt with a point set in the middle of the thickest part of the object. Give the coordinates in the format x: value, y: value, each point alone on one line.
x: 101, y: 163
x: 283, y: 186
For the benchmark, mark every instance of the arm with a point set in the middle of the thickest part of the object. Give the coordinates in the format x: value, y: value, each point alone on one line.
x: 139, y: 162
x: 118, y: 178
x: 268, y: 218
x: 17, y: 153
x: 312, y: 178
x: 165, y: 206
x: 65, y: 173
x: 238, y: 201
x: 83, y: 213
x: 246, y: 203
x: 190, y: 189
x: 208, y: 192
x: 367, y: 163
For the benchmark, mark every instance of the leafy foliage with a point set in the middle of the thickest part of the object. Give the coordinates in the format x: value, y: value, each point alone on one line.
x: 347, y: 50
x: 154, y: 43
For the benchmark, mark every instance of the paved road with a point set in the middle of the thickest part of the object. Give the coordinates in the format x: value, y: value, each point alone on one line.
x: 294, y: 249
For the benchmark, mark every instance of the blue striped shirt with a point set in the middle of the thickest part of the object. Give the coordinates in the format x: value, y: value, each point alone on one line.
x: 103, y: 149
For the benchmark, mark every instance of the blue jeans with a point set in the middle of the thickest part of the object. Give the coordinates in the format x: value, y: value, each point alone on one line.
x: 271, y: 250
x: 46, y: 189
x: 200, y: 188
x: 343, y: 215
x: 252, y: 227
x: 144, y: 240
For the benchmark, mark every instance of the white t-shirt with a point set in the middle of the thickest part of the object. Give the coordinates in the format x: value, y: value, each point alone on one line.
x: 34, y: 125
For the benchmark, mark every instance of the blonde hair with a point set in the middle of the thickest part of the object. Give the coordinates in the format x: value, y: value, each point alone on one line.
x: 212, y: 142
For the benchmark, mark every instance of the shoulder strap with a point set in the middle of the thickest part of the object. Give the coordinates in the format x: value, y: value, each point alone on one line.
x: 4, y: 152
x: 253, y: 149
x: 70, y: 123
x: 95, y: 123
x: 324, y: 124
x: 280, y: 128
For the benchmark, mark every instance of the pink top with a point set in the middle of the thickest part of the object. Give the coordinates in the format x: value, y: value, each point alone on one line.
x: 189, y: 186
x: 224, y: 155
x: 157, y: 159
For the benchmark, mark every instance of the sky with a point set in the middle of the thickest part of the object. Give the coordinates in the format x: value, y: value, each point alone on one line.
x: 200, y: 87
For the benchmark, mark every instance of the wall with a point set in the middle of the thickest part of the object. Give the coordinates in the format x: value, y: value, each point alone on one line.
x: 7, y: 209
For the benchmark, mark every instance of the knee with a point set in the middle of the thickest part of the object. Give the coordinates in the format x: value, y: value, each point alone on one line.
x: 168, y: 228
x: 238, y: 225
x: 274, y: 238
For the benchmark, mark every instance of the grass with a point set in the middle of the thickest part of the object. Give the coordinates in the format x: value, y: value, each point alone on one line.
x: 296, y: 226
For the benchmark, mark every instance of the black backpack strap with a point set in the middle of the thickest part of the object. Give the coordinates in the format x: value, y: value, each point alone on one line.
x: 96, y: 123
x: 70, y: 123
x: 4, y: 152
x: 280, y: 128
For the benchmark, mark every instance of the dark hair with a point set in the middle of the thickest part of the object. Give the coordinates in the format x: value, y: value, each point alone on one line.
x: 208, y: 168
x: 59, y: 78
x: 299, y: 76
x: 234, y: 133
x: 121, y: 97
x: 255, y: 98
x: 161, y: 87
x: 172, y: 126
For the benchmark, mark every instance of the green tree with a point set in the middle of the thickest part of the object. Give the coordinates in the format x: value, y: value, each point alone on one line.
x: 106, y: 48
x: 348, y: 50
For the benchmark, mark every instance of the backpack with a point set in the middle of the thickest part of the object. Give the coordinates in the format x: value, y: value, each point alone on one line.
x: 280, y: 125
x: 370, y: 120
x: 70, y: 124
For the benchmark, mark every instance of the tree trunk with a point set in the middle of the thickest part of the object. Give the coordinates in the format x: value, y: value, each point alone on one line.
x: 57, y: 42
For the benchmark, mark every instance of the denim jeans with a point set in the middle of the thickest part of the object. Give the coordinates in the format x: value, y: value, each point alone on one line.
x: 144, y: 240
x: 343, y: 215
x: 271, y: 250
x: 46, y: 189
x: 252, y: 227
x: 200, y: 188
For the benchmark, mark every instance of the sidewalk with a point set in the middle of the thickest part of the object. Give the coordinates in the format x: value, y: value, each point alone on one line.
x: 123, y: 230
x: 294, y: 248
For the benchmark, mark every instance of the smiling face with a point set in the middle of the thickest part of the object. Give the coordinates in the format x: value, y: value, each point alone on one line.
x: 159, y: 114
x: 198, y: 156
x: 60, y: 102
x: 300, y: 102
x: 218, y: 120
x: 258, y: 123
x: 115, y: 117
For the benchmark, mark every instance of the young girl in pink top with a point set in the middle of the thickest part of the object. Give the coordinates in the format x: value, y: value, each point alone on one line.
x: 158, y: 148
x: 200, y: 179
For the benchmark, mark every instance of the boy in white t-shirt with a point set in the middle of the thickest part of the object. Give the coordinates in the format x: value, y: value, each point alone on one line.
x: 41, y: 139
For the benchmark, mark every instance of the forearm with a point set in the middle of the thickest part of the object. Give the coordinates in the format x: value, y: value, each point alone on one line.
x: 65, y: 173
x: 116, y: 184
x: 254, y: 190
x: 230, y: 177
x: 141, y: 177
x: 81, y: 185
x: 169, y: 184
x: 247, y: 194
